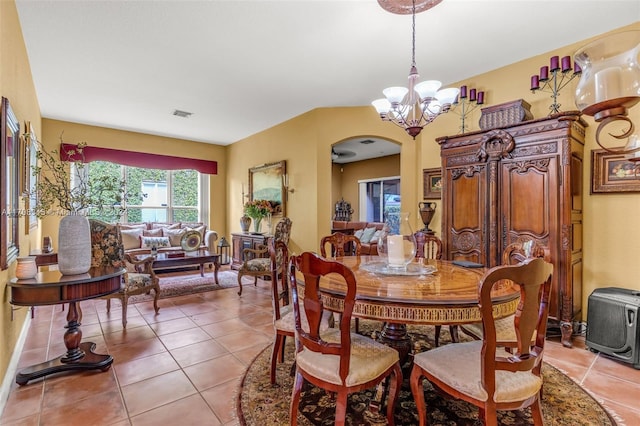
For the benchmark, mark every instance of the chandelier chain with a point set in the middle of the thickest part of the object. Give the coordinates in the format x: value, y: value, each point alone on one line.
x: 413, y: 39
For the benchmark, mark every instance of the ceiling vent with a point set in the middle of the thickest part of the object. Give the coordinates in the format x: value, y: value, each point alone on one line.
x: 183, y: 114
x: 367, y: 142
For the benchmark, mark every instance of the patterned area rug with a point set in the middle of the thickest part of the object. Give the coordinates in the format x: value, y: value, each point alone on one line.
x: 260, y: 403
x: 174, y: 284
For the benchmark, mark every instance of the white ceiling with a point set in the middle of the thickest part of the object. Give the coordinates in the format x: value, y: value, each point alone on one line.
x: 243, y: 66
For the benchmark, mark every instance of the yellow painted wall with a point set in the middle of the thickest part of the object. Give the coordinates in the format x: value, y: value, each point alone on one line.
x: 611, y: 237
x: 16, y: 84
x: 305, y: 143
x: 382, y: 167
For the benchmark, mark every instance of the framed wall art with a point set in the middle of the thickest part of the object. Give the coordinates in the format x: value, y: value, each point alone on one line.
x: 30, y: 155
x: 613, y: 173
x: 266, y: 183
x: 432, y: 183
x: 9, y: 165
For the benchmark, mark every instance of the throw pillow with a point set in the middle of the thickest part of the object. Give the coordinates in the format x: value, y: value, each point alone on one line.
x: 174, y: 235
x: 161, y: 225
x: 375, y: 237
x: 131, y: 238
x: 358, y: 234
x: 367, y: 234
x: 200, y: 229
x: 148, y: 242
x: 132, y: 226
x: 152, y: 232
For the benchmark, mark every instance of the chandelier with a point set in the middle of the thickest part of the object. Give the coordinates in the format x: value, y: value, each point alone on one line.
x: 414, y: 107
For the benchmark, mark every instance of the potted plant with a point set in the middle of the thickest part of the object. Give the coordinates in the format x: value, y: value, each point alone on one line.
x: 258, y: 210
x: 69, y: 192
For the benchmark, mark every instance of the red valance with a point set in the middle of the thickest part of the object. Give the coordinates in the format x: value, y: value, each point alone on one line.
x: 69, y: 152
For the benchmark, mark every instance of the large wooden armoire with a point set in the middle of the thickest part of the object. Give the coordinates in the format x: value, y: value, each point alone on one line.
x: 515, y: 183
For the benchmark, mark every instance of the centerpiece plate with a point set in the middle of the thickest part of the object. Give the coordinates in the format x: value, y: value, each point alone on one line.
x: 412, y: 269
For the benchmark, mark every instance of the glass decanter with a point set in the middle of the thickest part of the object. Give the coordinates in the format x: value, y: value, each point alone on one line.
x: 397, y: 244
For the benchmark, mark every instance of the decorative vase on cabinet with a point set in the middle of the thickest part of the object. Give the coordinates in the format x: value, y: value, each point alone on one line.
x: 245, y: 221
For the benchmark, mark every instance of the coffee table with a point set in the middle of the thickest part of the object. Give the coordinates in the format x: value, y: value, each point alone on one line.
x: 198, y: 257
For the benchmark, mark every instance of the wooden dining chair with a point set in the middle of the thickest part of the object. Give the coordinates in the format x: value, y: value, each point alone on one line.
x: 283, y: 321
x: 486, y: 374
x: 428, y: 246
x: 513, y: 254
x: 338, y: 361
x: 338, y: 241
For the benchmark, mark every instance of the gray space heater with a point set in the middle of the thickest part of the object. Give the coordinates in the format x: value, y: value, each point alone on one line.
x: 612, y: 324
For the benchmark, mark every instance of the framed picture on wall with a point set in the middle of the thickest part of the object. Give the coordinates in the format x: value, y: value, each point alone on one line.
x: 265, y: 183
x: 9, y: 165
x: 30, y: 151
x: 612, y: 173
x: 432, y: 183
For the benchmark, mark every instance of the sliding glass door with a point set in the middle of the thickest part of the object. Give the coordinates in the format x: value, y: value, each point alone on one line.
x: 377, y: 197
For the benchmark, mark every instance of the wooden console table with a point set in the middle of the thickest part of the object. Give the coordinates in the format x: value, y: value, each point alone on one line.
x: 52, y: 288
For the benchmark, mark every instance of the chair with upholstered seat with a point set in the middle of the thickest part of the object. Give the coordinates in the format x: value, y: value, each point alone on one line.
x: 338, y: 241
x: 338, y: 360
x: 483, y: 372
x: 283, y: 320
x: 428, y: 246
x: 513, y: 254
x: 107, y: 250
x: 255, y: 264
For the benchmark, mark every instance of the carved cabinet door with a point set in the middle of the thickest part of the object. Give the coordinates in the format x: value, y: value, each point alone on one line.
x: 466, y: 198
x: 530, y: 207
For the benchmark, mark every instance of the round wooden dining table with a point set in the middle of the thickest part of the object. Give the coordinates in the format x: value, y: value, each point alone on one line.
x: 446, y: 296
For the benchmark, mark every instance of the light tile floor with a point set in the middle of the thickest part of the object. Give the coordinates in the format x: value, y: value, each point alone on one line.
x: 183, y: 366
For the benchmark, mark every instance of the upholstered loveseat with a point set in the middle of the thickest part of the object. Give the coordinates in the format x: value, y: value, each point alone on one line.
x: 367, y: 233
x: 138, y: 238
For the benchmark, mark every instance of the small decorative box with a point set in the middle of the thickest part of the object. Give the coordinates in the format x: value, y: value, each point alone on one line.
x: 172, y: 254
x: 505, y: 115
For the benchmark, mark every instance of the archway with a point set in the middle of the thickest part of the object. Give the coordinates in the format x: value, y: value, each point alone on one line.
x: 365, y: 174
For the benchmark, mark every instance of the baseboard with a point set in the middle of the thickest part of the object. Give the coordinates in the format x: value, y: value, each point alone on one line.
x: 12, y: 368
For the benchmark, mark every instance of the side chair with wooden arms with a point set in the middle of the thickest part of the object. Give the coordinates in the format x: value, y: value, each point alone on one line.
x: 337, y: 360
x: 255, y: 264
x: 338, y: 241
x: 428, y: 246
x: 107, y: 249
x: 483, y: 372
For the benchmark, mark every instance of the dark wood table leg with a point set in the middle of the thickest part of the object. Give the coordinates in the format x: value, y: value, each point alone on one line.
x: 216, y: 268
x: 396, y: 336
x: 202, y: 269
x: 79, y: 356
x: 566, y: 329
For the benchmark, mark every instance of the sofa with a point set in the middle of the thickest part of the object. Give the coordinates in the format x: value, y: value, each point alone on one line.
x: 367, y: 233
x: 138, y: 238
